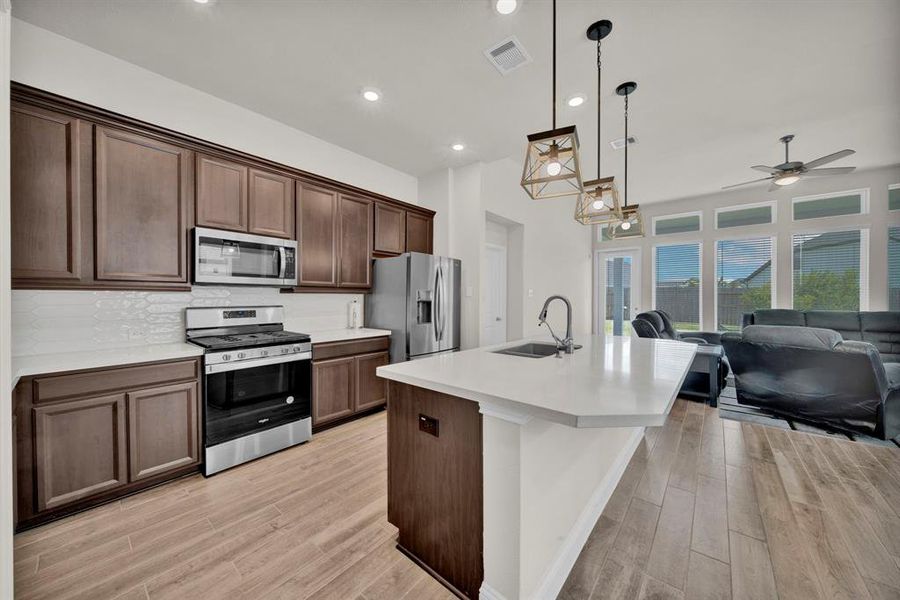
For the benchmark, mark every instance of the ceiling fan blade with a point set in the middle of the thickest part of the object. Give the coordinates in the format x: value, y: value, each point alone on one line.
x: 829, y: 171
x: 774, y: 187
x: 827, y: 159
x: 728, y: 187
x: 765, y: 169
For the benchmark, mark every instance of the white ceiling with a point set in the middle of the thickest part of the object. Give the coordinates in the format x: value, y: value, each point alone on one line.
x: 718, y: 82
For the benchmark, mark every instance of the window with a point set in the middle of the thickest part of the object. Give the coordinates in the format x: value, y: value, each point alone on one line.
x: 741, y: 216
x: 816, y: 207
x: 894, y: 197
x: 685, y: 223
x: 828, y: 270
x: 676, y: 287
x: 893, y: 268
x: 744, y: 278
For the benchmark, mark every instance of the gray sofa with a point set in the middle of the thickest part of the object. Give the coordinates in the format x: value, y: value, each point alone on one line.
x: 814, y: 374
x: 881, y: 329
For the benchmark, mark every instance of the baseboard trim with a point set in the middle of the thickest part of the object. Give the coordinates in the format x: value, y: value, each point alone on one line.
x: 553, y: 580
x: 488, y: 593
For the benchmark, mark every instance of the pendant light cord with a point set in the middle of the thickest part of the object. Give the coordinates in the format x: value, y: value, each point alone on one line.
x: 599, y: 87
x: 626, y: 150
x: 554, y: 64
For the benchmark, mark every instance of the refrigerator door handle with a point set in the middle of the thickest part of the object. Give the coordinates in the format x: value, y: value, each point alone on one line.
x: 443, y: 295
x: 436, y: 304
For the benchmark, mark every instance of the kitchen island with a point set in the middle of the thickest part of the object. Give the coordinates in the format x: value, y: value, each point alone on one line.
x: 499, y: 465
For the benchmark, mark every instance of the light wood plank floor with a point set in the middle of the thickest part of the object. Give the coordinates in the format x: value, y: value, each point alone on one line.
x: 713, y: 509
x: 309, y: 522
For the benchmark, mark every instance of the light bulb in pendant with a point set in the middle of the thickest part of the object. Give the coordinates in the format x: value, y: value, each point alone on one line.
x: 554, y: 168
x: 598, y: 205
x: 626, y: 225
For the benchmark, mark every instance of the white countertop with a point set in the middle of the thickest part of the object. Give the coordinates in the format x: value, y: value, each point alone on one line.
x: 611, y: 382
x: 40, y: 364
x: 342, y: 335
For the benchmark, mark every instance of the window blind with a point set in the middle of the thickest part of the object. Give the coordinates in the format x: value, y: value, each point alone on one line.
x: 679, y: 224
x: 893, y: 268
x: 827, y: 269
x: 743, y: 279
x: 741, y: 217
x: 894, y: 198
x: 677, y: 284
x: 827, y: 207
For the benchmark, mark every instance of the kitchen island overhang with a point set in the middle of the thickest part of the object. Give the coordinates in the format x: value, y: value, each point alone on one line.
x: 499, y: 466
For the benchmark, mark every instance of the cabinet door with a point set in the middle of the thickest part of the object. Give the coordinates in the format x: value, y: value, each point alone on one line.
x: 271, y: 204
x: 390, y: 229
x: 333, y: 389
x: 44, y: 202
x: 162, y: 430
x: 142, y: 198
x: 221, y: 193
x: 79, y: 449
x: 418, y: 233
x: 317, y: 235
x: 371, y: 390
x: 355, y: 267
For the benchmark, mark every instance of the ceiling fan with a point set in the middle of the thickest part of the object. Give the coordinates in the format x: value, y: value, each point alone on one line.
x: 790, y: 171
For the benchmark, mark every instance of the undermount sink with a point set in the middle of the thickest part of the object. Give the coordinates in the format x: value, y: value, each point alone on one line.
x: 531, y: 350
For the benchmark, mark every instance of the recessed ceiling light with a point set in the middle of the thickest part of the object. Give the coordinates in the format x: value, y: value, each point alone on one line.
x: 457, y: 147
x: 371, y: 94
x: 576, y: 100
x: 505, y: 7
x: 202, y: 1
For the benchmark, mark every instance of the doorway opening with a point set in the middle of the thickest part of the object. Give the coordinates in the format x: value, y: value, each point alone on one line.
x: 617, y: 291
x: 502, y: 281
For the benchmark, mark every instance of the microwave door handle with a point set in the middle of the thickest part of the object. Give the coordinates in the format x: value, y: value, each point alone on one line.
x: 282, y: 262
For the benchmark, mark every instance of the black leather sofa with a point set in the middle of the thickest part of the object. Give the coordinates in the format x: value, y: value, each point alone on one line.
x: 658, y: 324
x: 882, y: 329
x: 816, y: 375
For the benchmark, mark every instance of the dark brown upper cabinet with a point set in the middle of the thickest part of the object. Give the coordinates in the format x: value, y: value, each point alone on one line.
x: 46, y: 201
x: 271, y: 201
x: 356, y: 233
x: 390, y: 230
x: 143, y: 191
x: 317, y: 234
x: 418, y: 233
x: 221, y: 193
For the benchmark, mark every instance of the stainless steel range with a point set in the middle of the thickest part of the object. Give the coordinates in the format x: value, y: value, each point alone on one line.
x: 257, y: 383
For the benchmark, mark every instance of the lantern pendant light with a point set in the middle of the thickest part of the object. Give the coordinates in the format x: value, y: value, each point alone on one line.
x: 631, y: 223
x: 599, y: 203
x: 552, y: 168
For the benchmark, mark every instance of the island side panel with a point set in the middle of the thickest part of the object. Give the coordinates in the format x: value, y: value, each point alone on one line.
x: 435, y: 488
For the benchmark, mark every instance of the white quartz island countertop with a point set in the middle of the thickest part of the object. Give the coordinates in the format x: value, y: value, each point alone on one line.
x: 610, y: 382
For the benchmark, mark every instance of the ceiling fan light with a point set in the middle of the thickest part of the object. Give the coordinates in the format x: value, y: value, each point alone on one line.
x: 786, y: 180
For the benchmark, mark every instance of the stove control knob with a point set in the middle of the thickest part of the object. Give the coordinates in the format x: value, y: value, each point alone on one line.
x: 226, y: 357
x: 285, y: 350
x: 298, y: 348
x: 242, y: 355
x: 263, y: 352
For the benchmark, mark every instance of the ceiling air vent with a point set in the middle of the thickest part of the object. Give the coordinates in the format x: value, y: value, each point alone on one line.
x: 508, y: 55
x: 620, y: 143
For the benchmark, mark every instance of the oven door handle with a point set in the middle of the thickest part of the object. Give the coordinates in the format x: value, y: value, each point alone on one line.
x: 260, y: 362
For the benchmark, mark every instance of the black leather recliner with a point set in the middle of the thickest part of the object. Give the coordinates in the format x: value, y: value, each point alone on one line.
x: 812, y: 374
x: 658, y: 324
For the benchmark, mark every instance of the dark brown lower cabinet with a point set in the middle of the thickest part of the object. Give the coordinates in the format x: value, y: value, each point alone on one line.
x: 344, y: 380
x: 90, y: 436
x: 435, y: 484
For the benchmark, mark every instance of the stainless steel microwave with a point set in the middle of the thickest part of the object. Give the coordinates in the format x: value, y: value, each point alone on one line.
x: 231, y: 258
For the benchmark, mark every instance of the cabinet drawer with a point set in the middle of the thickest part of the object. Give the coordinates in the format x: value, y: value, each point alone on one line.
x: 104, y: 380
x: 337, y: 349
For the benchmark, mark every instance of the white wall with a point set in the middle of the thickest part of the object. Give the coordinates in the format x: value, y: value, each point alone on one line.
x: 6, y: 496
x: 877, y: 221
x: 51, y: 62
x: 555, y: 255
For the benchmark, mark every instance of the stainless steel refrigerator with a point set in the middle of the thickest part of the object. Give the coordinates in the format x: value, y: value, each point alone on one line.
x: 416, y: 296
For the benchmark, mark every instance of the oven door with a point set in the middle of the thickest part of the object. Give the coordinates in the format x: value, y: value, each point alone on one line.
x: 226, y: 257
x: 255, y: 395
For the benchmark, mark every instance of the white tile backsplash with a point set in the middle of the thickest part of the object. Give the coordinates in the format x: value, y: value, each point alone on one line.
x: 47, y: 321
